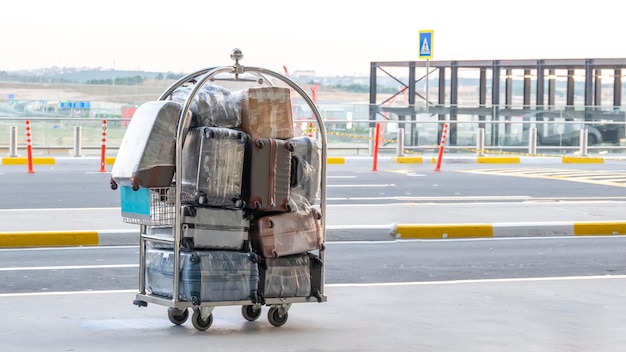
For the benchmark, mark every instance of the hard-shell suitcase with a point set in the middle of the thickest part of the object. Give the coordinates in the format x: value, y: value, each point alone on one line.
x: 266, y: 112
x: 270, y: 173
x: 206, y: 228
x: 282, y: 277
x: 147, y: 153
x: 281, y: 234
x: 316, y: 267
x: 205, y: 276
x: 213, y: 168
x: 305, y: 171
x: 214, y: 228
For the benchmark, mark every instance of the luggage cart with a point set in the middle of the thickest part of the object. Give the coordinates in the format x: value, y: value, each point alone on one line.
x: 165, y: 206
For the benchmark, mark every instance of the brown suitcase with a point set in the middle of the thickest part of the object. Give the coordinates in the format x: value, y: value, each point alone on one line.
x: 281, y: 234
x: 270, y: 174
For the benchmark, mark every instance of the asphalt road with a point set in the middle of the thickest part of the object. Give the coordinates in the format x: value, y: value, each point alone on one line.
x: 539, y: 294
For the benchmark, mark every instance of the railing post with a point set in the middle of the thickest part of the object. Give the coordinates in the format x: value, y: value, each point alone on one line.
x: 13, y: 142
x: 400, y: 148
x: 532, y: 140
x: 77, y: 142
x: 480, y: 145
x: 584, y: 141
x: 370, y: 144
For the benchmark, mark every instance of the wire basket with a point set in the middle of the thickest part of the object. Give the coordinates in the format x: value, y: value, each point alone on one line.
x: 148, y: 206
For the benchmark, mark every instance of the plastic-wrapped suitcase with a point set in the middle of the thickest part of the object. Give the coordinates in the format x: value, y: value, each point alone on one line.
x: 213, y: 172
x: 214, y: 228
x: 205, y: 276
x: 315, y: 268
x: 305, y: 171
x: 288, y: 276
x: 212, y: 105
x: 281, y: 234
x: 266, y: 112
x: 147, y: 153
x: 270, y: 173
x: 207, y: 228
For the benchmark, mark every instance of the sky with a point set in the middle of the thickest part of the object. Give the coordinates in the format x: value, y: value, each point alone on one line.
x: 332, y: 38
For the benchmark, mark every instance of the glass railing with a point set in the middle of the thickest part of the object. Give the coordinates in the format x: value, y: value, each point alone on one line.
x: 60, y: 131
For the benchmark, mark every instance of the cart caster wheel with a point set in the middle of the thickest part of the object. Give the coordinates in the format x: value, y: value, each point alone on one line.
x: 113, y: 186
x: 140, y: 303
x: 177, y: 316
x: 274, y: 317
x: 249, y: 313
x: 199, y: 323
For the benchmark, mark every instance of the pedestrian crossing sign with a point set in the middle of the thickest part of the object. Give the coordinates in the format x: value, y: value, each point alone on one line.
x: 426, y: 44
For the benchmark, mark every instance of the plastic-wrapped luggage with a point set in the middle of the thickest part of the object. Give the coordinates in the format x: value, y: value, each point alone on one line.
x: 217, y: 228
x: 266, y: 112
x: 205, y: 276
x: 213, y: 105
x: 305, y: 170
x: 147, y: 153
x: 270, y: 173
x: 206, y: 228
x: 213, y: 173
x: 288, y: 276
x: 281, y: 234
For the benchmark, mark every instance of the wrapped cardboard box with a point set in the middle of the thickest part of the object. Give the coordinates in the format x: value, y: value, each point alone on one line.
x: 266, y: 112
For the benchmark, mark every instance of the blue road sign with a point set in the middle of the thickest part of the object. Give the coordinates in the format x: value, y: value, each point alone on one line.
x: 11, y: 96
x: 426, y: 44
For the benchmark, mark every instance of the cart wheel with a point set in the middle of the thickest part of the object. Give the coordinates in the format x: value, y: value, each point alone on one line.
x: 249, y: 313
x: 275, y: 318
x: 113, y: 185
x: 177, y: 316
x: 199, y: 323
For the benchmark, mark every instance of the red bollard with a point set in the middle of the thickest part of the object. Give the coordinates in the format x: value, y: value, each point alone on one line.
x: 103, y: 150
x: 442, y: 143
x: 376, y: 143
x: 29, y: 148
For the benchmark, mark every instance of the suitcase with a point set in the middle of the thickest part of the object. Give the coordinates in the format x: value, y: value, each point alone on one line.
x: 281, y: 234
x: 147, y: 153
x: 305, y: 171
x: 214, y: 228
x: 316, y: 267
x: 213, y: 168
x: 206, y: 228
x: 205, y: 276
x: 284, y: 277
x: 212, y: 105
x: 270, y: 173
x: 266, y: 112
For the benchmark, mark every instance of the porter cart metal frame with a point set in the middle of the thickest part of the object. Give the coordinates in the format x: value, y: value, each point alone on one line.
x: 178, y: 311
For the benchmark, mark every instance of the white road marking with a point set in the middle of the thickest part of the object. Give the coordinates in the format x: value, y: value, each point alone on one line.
x: 376, y: 284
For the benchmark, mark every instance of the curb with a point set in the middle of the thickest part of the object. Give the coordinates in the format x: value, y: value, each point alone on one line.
x: 340, y: 160
x: 480, y: 230
x: 68, y: 238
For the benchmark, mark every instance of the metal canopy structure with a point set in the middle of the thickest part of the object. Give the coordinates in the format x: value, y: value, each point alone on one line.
x: 539, y: 81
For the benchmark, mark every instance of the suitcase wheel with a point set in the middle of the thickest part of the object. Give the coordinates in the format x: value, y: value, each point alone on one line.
x: 208, y: 133
x: 270, y: 224
x: 289, y: 147
x: 243, y: 138
x: 202, y: 199
x: 239, y: 203
x: 260, y: 144
x: 257, y: 205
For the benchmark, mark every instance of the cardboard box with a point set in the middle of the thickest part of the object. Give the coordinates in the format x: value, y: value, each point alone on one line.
x: 266, y: 112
